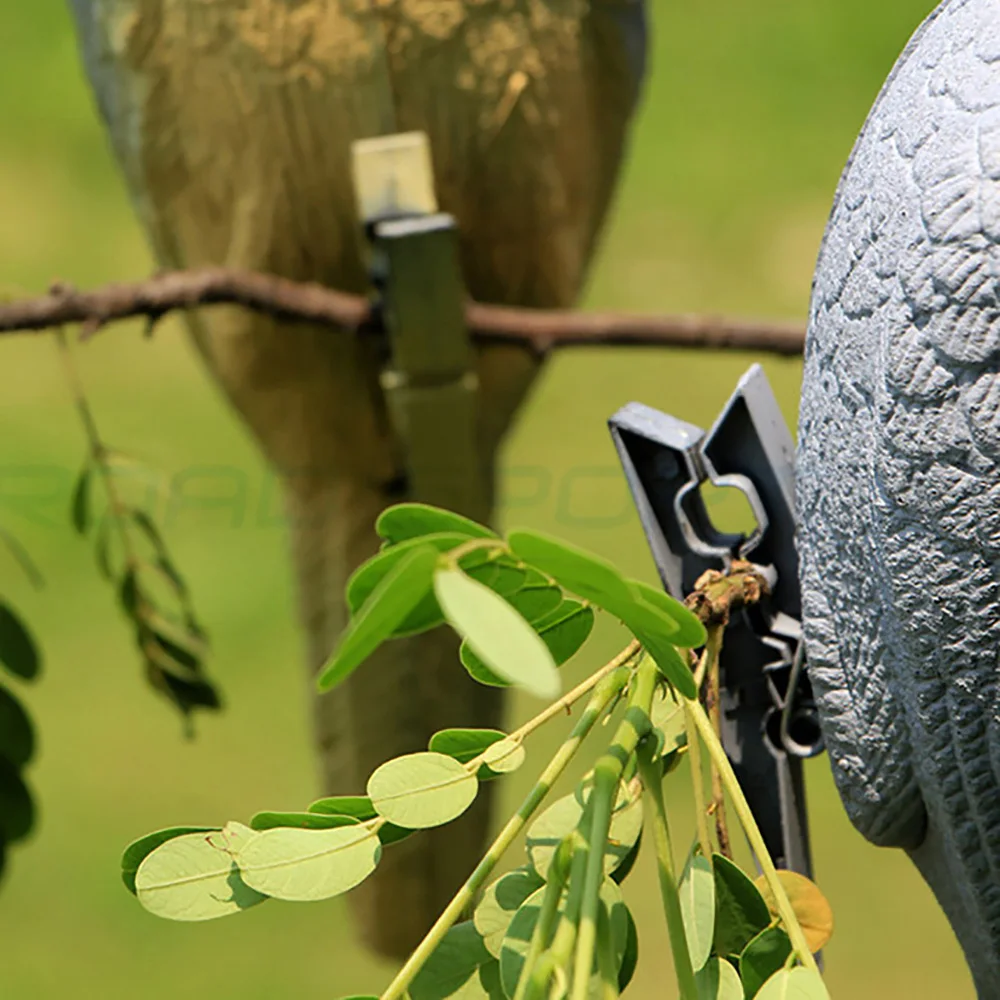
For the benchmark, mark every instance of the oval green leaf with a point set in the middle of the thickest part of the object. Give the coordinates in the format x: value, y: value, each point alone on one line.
x: 496, y: 633
x: 404, y: 521
x: 358, y: 806
x: 422, y: 790
x: 535, y: 601
x: 191, y: 877
x: 502, y: 574
x: 478, y: 670
x: 740, y: 911
x: 718, y: 980
x: 464, y: 744
x: 136, y: 852
x: 561, y: 818
x: 566, y: 629
x: 583, y: 573
x: 504, y: 757
x: 690, y: 631
x: 697, y: 893
x: 80, y: 512
x: 396, y: 595
x: 303, y: 865
x: 452, y: 964
x: 794, y: 984
x: 370, y: 574
x: 18, y: 652
x: 300, y: 820
x: 630, y: 957
x: 667, y: 718
x: 17, y: 735
x: 762, y: 957
x: 500, y: 902
x: 17, y: 808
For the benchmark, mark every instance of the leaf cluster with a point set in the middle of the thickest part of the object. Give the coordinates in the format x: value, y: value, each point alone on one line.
x: 21, y: 659
x: 132, y: 556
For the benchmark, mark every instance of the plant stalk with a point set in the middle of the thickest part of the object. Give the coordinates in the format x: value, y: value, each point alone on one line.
x: 652, y: 780
x: 606, y: 690
x: 757, y: 845
x: 607, y: 776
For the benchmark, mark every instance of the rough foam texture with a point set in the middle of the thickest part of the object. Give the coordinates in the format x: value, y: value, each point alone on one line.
x: 898, y: 475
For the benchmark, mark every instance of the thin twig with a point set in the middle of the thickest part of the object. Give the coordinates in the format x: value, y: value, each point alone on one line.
x: 542, y: 330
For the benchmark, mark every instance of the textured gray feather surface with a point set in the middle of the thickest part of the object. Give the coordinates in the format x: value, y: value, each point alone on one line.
x: 898, y: 476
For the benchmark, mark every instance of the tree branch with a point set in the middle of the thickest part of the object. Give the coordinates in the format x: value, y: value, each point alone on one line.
x: 543, y: 330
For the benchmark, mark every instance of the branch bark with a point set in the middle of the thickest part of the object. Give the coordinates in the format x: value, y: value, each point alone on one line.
x: 543, y: 330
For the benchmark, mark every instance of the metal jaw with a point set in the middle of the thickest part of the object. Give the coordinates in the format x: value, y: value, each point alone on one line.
x: 769, y: 720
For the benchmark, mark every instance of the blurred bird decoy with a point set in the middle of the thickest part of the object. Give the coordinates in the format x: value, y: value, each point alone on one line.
x: 233, y: 122
x: 898, y: 475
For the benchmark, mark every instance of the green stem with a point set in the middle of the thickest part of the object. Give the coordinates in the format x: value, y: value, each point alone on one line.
x: 565, y: 937
x: 652, y: 780
x: 605, y: 958
x: 602, y: 697
x: 757, y: 845
x: 607, y: 777
x: 535, y: 974
x: 698, y: 783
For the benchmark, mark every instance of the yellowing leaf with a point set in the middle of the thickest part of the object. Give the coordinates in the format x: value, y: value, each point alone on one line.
x: 811, y: 908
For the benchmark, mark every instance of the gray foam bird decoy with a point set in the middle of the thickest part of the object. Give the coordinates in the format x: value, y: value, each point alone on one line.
x: 899, y: 473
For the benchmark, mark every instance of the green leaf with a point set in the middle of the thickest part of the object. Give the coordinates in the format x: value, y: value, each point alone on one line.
x: 762, y: 957
x: 514, y: 947
x: 561, y: 818
x: 467, y: 744
x: 17, y: 736
x: 478, y: 670
x: 718, y: 980
x: 464, y: 744
x: 22, y: 557
x: 566, y: 629
x: 358, y: 806
x: 536, y: 599
x: 489, y: 982
x: 18, y: 652
x: 80, y: 512
x: 740, y: 910
x: 299, y: 820
x: 496, y: 633
x: 667, y: 718
x: 697, y: 893
x: 522, y: 926
x: 303, y: 865
x: 499, y: 904
x: 370, y: 574
x: 136, y: 852
x: 630, y: 958
x: 17, y: 808
x: 650, y: 628
x: 396, y: 595
x: 504, y: 757
x: 404, y: 521
x: 794, y: 984
x: 421, y: 790
x: 502, y: 574
x: 454, y: 962
x: 193, y: 877
x: 588, y: 575
x: 691, y: 632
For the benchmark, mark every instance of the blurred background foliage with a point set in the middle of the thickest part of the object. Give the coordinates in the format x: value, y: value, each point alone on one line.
x: 750, y: 113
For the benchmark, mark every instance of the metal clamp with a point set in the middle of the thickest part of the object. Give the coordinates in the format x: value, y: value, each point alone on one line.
x: 769, y: 720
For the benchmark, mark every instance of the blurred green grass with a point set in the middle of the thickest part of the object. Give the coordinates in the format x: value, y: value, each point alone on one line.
x: 749, y: 115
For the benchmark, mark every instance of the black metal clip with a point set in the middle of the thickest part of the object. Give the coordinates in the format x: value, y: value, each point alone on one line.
x: 769, y: 720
